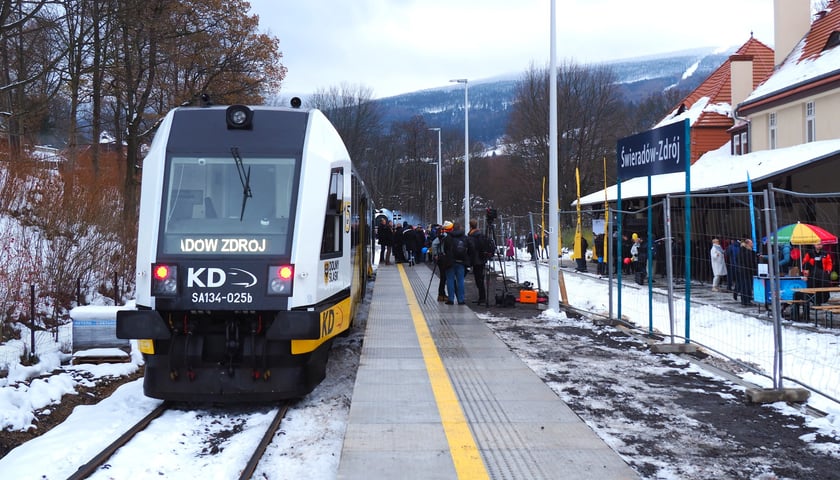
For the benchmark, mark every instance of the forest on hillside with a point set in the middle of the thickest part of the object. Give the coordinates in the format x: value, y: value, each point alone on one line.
x: 92, y: 78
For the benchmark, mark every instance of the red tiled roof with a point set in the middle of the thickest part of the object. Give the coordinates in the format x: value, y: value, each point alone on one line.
x: 718, y: 85
x: 709, y: 130
x: 826, y: 22
x: 810, y: 52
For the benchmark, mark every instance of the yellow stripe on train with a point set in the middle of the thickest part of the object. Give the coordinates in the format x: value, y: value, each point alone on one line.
x: 334, y: 320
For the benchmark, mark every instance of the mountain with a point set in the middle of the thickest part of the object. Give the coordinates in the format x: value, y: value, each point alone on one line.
x: 491, y: 99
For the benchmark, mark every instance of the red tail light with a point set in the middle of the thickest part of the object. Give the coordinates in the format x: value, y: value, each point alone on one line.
x: 164, y: 280
x: 280, y: 279
x: 285, y: 272
x: 161, y: 272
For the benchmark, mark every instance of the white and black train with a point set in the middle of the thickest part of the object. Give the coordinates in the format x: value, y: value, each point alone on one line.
x: 253, y: 253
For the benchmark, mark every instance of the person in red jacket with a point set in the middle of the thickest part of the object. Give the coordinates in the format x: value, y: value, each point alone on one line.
x: 818, y: 265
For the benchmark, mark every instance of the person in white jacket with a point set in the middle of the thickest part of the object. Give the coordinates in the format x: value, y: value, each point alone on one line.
x: 718, y: 264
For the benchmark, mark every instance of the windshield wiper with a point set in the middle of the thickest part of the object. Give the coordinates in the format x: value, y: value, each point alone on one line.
x: 244, y: 177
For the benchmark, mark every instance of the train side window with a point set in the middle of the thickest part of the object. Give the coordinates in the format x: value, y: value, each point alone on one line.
x: 336, y: 191
x: 331, y: 237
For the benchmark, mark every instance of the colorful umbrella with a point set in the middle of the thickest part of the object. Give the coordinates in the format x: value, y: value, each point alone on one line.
x: 802, y: 234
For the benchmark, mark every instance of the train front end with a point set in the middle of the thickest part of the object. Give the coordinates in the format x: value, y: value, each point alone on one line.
x: 235, y: 299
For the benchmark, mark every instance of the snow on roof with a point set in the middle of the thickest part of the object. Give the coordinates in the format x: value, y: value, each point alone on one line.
x: 101, y: 353
x: 105, y: 137
x: 692, y: 114
x: 99, y: 312
x: 796, y: 70
x: 718, y: 169
x: 698, y: 108
x: 793, y: 73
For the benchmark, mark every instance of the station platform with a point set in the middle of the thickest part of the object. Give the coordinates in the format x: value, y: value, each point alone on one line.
x: 439, y: 396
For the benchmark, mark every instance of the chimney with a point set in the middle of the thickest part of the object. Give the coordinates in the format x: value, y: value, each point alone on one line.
x: 740, y: 78
x: 791, y: 21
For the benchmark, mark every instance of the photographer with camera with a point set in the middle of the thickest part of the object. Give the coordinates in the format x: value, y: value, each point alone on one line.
x: 443, y: 262
x: 480, y: 256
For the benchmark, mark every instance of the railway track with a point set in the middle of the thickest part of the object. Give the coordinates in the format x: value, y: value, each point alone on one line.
x: 102, y: 457
x: 248, y: 471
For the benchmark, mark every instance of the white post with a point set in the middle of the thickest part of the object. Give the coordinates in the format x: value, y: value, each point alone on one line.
x: 553, y: 184
x: 466, y: 152
x: 439, y: 182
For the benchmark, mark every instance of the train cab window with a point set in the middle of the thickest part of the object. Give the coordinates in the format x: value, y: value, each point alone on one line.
x: 331, y: 237
x: 210, y: 202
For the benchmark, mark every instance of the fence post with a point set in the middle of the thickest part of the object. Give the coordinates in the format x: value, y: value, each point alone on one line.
x: 515, y: 237
x: 31, y: 322
x: 533, y: 243
x: 669, y: 264
x: 772, y: 221
x: 778, y: 392
x: 610, y: 256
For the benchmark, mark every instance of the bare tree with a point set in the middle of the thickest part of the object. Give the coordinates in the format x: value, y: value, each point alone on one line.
x: 416, y: 185
x: 590, y: 118
x: 653, y: 108
x: 28, y: 58
x: 219, y: 55
x: 142, y: 27
x: 165, y: 53
x: 356, y: 117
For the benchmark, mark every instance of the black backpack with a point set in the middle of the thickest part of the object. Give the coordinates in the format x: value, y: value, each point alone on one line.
x: 459, y: 248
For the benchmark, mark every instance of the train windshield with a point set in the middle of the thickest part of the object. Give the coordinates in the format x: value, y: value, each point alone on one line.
x: 228, y: 205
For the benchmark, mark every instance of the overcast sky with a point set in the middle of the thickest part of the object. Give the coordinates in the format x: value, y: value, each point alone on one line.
x: 399, y: 46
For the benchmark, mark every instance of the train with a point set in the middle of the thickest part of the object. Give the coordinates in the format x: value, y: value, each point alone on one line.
x: 254, y: 249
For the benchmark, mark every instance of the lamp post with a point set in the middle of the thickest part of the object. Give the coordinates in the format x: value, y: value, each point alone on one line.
x: 553, y: 182
x: 439, y: 182
x: 466, y: 151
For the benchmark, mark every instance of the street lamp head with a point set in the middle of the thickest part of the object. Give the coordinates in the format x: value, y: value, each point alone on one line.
x: 459, y: 80
x: 434, y: 129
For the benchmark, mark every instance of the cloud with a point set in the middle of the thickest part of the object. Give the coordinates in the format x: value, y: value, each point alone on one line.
x: 401, y: 46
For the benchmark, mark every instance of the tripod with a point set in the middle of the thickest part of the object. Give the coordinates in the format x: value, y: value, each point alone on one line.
x: 490, y: 232
x: 434, y: 267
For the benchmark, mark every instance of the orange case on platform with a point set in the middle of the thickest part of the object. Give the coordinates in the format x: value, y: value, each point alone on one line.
x: 527, y: 296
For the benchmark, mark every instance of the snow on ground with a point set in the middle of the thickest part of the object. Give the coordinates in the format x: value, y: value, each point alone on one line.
x: 309, y: 444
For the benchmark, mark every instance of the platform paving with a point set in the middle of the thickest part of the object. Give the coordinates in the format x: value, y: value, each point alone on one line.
x: 401, y: 421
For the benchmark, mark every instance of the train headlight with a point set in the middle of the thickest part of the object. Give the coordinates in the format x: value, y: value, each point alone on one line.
x: 164, y: 280
x: 280, y: 279
x: 239, y: 117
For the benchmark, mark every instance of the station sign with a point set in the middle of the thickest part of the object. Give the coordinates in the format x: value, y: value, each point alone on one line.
x: 662, y: 150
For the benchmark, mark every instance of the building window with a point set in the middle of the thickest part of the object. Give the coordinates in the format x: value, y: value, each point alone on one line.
x: 810, y: 122
x: 772, y: 132
x: 736, y: 144
x: 745, y: 149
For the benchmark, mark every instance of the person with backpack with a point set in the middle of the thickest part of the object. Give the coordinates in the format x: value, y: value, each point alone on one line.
x: 443, y: 262
x: 457, y: 248
x: 639, y: 254
x: 385, y: 236
x: 481, y: 253
x: 733, y: 268
x: 580, y: 256
x: 410, y: 243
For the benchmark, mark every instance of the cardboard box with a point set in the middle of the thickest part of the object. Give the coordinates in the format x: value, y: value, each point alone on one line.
x: 527, y: 296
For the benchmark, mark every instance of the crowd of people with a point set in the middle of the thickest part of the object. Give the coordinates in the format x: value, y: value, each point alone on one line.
x: 732, y: 263
x: 738, y: 263
x: 453, y: 250
x: 456, y: 251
